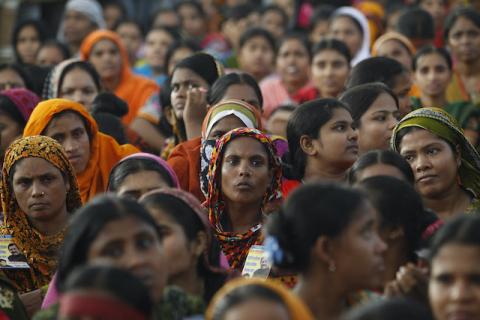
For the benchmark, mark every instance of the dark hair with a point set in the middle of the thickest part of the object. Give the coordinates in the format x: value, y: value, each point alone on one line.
x: 203, y: 64
x: 121, y: 22
x: 399, y: 205
x: 462, y: 230
x: 374, y: 157
x: 322, y: 13
x: 311, y: 211
x: 219, y: 88
x: 111, y: 125
x: 242, y: 294
x: 295, y: 36
x: 254, y: 33
x: 426, y: 50
x: 22, y: 73
x: 119, y: 283
x: 283, y: 107
x: 361, y: 97
x: 194, y: 4
x: 416, y: 23
x: 159, y: 11
x: 8, y: 107
x: 332, y: 44
x: 174, y: 33
x: 307, y: 119
x: 52, y: 43
x: 390, y: 309
x: 115, y: 3
x: 82, y: 65
x: 277, y: 9
x: 36, y: 24
x: 11, y: 245
x: 376, y: 69
x: 238, y: 11
x: 134, y: 165
x: 107, y: 102
x: 88, y: 222
x: 183, y: 215
x: 179, y: 44
x: 461, y: 12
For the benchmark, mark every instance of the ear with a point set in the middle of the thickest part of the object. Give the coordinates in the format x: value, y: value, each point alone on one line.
x: 323, y: 251
x: 67, y: 185
x: 307, y: 145
x: 170, y: 115
x: 199, y: 245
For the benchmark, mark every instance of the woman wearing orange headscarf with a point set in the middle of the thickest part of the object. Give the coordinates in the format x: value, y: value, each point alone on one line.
x: 92, y: 154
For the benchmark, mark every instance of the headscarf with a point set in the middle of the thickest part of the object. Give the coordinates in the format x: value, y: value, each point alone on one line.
x: 91, y: 8
x: 105, y: 152
x: 296, y: 308
x: 143, y: 155
x: 234, y: 245
x: 444, y: 125
x: 24, y: 99
x: 245, y: 112
x: 393, y: 36
x: 134, y: 89
x: 50, y: 88
x: 364, y: 51
x: 40, y: 250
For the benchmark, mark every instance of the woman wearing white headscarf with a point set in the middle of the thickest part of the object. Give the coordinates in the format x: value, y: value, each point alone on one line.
x: 79, y: 19
x: 351, y: 26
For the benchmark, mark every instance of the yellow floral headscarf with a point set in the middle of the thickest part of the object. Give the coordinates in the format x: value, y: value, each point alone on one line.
x: 40, y: 250
x: 444, y: 125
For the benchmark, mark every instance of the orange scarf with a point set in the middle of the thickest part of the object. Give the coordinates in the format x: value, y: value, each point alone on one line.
x: 134, y: 89
x: 105, y: 152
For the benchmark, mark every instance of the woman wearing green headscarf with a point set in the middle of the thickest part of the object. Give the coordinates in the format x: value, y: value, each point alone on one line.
x: 445, y: 164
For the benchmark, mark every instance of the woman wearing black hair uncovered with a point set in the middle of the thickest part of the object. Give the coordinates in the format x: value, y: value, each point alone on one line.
x: 327, y: 234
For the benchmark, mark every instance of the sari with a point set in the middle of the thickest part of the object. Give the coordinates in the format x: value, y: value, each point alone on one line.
x: 441, y: 123
x: 234, y: 245
x: 105, y: 152
x: 40, y: 250
x: 297, y: 310
x: 134, y: 89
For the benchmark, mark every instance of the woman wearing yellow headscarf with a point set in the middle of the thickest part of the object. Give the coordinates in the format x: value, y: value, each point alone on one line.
x: 252, y: 296
x: 446, y: 166
x: 39, y: 192
x: 92, y: 153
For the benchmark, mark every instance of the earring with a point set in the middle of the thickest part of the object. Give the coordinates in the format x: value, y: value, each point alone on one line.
x: 332, y: 267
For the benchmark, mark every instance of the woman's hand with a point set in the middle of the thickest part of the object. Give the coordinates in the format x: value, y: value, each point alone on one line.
x: 195, y: 110
x: 32, y: 301
x: 411, y: 281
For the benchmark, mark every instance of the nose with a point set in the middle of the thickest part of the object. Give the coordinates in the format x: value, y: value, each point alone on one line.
x: 461, y: 290
x: 37, y: 190
x: 244, y: 169
x: 79, y: 97
x: 421, y: 163
x: 353, y: 135
x: 69, y: 145
x: 392, y: 123
x: 135, y: 258
x: 380, y: 246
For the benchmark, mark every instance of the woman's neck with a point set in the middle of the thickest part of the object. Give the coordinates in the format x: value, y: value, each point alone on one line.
x: 450, y: 203
x: 189, y: 281
x: 438, y: 101
x: 293, y: 87
x: 111, y: 84
x: 319, y: 293
x: 468, y: 69
x: 242, y: 216
x: 53, y: 226
x: 315, y: 171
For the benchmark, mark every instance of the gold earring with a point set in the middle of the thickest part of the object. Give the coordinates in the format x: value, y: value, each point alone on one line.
x: 332, y: 267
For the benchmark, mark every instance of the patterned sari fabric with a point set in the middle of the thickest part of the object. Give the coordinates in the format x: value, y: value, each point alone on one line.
x: 237, y: 245
x: 40, y: 250
x: 444, y: 125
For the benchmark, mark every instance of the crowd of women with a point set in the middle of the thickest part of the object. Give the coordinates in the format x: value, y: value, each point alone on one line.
x: 293, y: 160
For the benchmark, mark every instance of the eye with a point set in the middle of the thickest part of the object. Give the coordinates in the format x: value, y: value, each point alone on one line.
x: 144, y: 242
x: 340, y: 127
x: 175, y: 87
x: 444, y: 279
x: 380, y: 118
x: 408, y: 158
x: 433, y: 151
x: 112, y: 251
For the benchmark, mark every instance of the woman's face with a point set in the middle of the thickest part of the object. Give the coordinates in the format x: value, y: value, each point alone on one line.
x: 49, y: 56
x: 434, y: 163
x: 10, y: 79
x: 182, y: 80
x: 137, y: 184
x: 337, y: 144
x: 464, y: 40
x: 192, y: 21
x: 177, y: 56
x: 293, y: 62
x: 257, y: 309
x: 437, y: 8
x: 40, y: 189
x: 106, y: 59
x: 9, y: 131
x: 344, y: 29
x: 246, y: 173
x: 330, y: 71
x: 156, y: 46
x: 131, y: 37
x: 274, y: 23
x: 257, y: 57
x: 432, y: 75
x: 28, y: 43
x: 131, y: 244
x: 377, y: 123
x: 395, y: 50
x: 69, y: 130
x: 79, y: 86
x: 403, y: 84
x: 361, y: 243
x: 454, y: 288
x: 242, y: 92
x: 380, y: 169
x: 180, y: 253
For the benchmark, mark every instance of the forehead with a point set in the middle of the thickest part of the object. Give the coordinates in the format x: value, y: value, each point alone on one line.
x: 158, y: 34
x: 463, y: 24
x: 392, y: 44
x: 104, y: 44
x: 418, y: 138
x: 329, y: 54
x: 457, y: 258
x: 292, y: 44
x: 125, y: 228
x: 340, y: 114
x: 431, y: 59
x: 185, y: 74
x: 75, y: 73
x: 34, y: 166
x: 247, y: 146
x: 343, y: 22
x: 66, y: 121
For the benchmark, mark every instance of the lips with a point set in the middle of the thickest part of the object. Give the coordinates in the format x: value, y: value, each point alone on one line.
x: 461, y: 315
x: 74, y: 158
x: 244, y: 186
x: 38, y: 205
x: 426, y: 178
x: 353, y: 147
